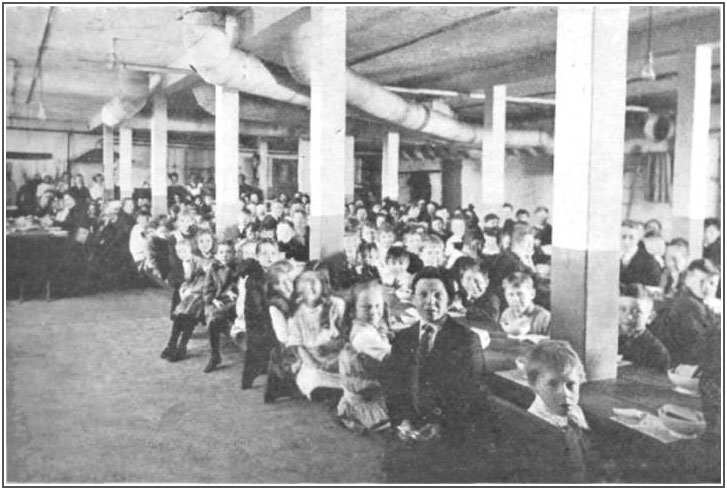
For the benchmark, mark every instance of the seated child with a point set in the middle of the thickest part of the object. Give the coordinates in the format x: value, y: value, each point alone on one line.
x: 480, y: 305
x: 413, y: 244
x: 519, y: 294
x: 190, y: 309
x: 368, y: 257
x: 345, y: 276
x: 385, y: 239
x: 555, y: 374
x: 635, y: 342
x: 253, y: 319
x: 362, y: 406
x: 432, y: 251
x: 314, y: 331
x: 138, y: 243
x: 220, y: 295
x: 284, y: 362
x: 394, y: 273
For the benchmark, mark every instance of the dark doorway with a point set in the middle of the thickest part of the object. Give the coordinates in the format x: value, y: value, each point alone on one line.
x: 421, y: 187
x: 285, y: 177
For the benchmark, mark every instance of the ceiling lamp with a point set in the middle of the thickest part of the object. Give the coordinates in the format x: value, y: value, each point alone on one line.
x: 647, y: 71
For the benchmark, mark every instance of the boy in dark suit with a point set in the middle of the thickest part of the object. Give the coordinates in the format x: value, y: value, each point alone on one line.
x: 637, y: 265
x: 435, y: 388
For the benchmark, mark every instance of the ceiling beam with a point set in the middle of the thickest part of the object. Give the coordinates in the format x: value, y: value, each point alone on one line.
x: 264, y: 28
x: 466, y: 72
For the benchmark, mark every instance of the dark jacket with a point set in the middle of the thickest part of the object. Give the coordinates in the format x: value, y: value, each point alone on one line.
x: 642, y: 269
x: 176, y: 270
x: 713, y: 252
x: 644, y: 351
x: 81, y: 195
x: 450, y: 382
x: 683, y: 326
x: 485, y: 309
x: 221, y: 279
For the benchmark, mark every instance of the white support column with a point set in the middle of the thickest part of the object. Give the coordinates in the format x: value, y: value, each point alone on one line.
x: 492, y: 186
x: 390, y: 166
x: 304, y: 165
x: 327, y: 131
x: 126, y: 183
x: 350, y: 171
x: 108, y: 161
x: 158, y: 130
x: 588, y: 172
x: 227, y: 142
x: 265, y: 170
x: 691, y: 150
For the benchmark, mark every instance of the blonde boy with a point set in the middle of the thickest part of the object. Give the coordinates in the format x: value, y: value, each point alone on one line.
x: 555, y: 374
x: 519, y: 294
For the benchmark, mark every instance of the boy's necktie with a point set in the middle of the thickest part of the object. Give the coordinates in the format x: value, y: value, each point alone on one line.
x: 425, y: 341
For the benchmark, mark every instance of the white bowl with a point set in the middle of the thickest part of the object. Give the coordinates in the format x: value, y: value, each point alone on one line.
x: 682, y: 420
x: 516, y: 329
x: 683, y: 384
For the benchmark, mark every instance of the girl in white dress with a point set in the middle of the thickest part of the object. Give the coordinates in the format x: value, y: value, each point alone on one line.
x: 362, y: 406
x: 315, y: 332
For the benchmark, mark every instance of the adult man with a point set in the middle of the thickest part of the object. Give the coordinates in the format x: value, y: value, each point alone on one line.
x: 80, y: 192
x: 434, y: 386
x: 543, y: 235
x: 637, y: 265
x: 683, y: 327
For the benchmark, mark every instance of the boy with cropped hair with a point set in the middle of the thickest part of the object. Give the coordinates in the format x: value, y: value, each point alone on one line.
x: 555, y: 374
x: 520, y: 291
x: 432, y: 251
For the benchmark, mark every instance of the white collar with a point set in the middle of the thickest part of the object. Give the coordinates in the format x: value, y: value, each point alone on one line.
x: 541, y: 410
x: 626, y: 258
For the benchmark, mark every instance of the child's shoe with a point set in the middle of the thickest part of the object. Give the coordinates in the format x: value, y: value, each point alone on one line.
x: 168, y: 353
x: 212, y: 364
x: 180, y: 354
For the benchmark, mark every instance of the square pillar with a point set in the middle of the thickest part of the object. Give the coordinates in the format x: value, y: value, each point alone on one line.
x: 691, y: 149
x: 390, y: 166
x: 492, y: 183
x: 158, y: 130
x: 126, y: 183
x: 227, y: 136
x: 108, y: 161
x: 588, y: 172
x: 304, y: 166
x: 350, y: 170
x: 327, y: 131
x: 265, y: 170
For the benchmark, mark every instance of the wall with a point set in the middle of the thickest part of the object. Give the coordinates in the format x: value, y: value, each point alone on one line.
x: 65, y: 146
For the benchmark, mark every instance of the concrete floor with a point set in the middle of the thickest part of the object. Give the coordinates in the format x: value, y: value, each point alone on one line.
x: 89, y: 400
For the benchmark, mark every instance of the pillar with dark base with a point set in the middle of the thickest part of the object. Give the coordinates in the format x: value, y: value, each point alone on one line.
x: 327, y: 131
x: 587, y: 180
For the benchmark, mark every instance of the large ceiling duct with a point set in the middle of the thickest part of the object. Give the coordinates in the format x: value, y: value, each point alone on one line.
x: 374, y: 99
x: 252, y: 109
x: 213, y: 56
x: 133, y: 94
x: 217, y: 62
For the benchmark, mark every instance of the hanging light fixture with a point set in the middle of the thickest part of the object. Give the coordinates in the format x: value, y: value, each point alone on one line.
x: 647, y: 71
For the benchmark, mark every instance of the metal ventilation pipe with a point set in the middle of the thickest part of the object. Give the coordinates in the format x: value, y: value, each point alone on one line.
x: 132, y: 97
x: 218, y: 63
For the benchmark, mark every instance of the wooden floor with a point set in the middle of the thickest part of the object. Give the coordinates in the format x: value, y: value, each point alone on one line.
x: 89, y: 400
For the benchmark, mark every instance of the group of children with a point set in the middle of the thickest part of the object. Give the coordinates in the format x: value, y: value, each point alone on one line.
x: 324, y: 330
